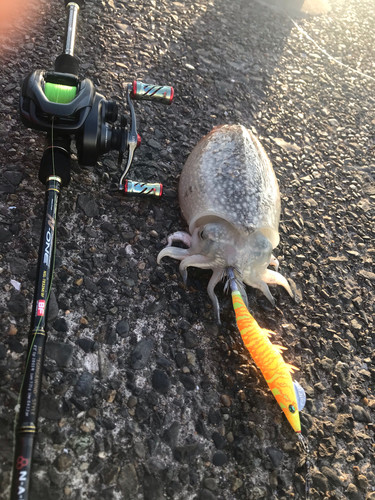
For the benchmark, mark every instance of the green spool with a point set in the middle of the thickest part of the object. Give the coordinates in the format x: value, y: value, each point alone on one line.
x: 62, y: 94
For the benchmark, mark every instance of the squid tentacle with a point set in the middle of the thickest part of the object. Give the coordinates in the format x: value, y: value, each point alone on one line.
x: 174, y: 252
x: 180, y: 236
x: 262, y: 286
x: 194, y: 260
x: 215, y: 278
x: 274, y: 278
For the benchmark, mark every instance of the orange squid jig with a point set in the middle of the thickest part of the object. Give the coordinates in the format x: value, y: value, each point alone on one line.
x: 267, y: 356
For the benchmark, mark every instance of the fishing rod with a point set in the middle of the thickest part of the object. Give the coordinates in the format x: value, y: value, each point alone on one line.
x: 59, y: 103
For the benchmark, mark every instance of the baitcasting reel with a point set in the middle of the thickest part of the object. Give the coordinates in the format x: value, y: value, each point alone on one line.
x: 59, y: 101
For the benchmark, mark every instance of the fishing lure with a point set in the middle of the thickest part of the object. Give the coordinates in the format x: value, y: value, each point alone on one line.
x: 267, y: 356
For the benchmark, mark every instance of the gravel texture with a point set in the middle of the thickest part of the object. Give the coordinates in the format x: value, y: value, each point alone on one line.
x: 144, y: 396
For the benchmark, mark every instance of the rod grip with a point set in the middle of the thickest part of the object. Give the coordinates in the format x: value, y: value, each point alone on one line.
x: 22, y: 467
x: 146, y: 92
x: 55, y: 161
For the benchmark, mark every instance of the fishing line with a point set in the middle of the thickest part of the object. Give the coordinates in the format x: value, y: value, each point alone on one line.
x: 326, y: 53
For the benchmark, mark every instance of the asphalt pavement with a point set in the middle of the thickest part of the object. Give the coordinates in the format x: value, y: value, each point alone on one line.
x: 144, y: 397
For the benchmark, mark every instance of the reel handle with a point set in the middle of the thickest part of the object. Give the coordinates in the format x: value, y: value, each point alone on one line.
x: 146, y: 92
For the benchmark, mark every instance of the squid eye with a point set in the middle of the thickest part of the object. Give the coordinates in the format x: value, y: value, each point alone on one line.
x: 202, y: 235
x: 292, y: 409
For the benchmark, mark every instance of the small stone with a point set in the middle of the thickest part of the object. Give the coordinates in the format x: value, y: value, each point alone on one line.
x: 210, y: 483
x: 141, y: 354
x: 60, y: 325
x: 88, y: 425
x: 53, y: 307
x: 60, y: 352
x: 110, y: 476
x: 80, y: 444
x: 93, y: 413
x: 132, y: 401
x: 90, y: 285
x: 187, y: 381
x: 275, y: 455
x: 206, y: 495
x: 363, y: 482
x: 361, y: 414
x: 180, y: 359
x: 83, y: 321
x: 105, y: 365
x: 122, y: 328
x: 17, y: 304
x: 87, y: 203
x: 64, y: 462
x: 160, y: 382
x: 12, y: 330
x: 219, y: 459
x: 367, y: 274
x: 273, y: 479
x: 352, y: 492
x: 84, y: 384
x: 333, y: 122
x: 111, y: 396
x: 170, y: 436
x: 319, y: 481
x: 200, y: 353
x: 3, y: 351
x: 185, y: 454
x: 237, y: 483
x: 110, y: 337
x: 79, y: 282
x: 356, y: 325
x: 5, y: 235
x: 219, y: 441
x: 128, y: 481
x: 50, y: 407
x: 140, y: 450
x: 13, y: 177
x: 15, y: 345
x: 319, y: 387
x: 191, y: 340
x: 141, y: 412
x: 327, y: 364
x: 18, y: 266
x: 154, y: 144
x: 226, y: 400
x: 214, y: 416
x: 86, y: 344
x: 164, y: 362
x: 332, y: 476
x: 191, y: 358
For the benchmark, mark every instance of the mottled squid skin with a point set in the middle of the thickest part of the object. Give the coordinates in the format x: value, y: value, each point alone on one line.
x: 230, y: 197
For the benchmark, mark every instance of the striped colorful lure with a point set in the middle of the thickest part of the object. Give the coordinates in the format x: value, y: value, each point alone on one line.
x: 267, y: 356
